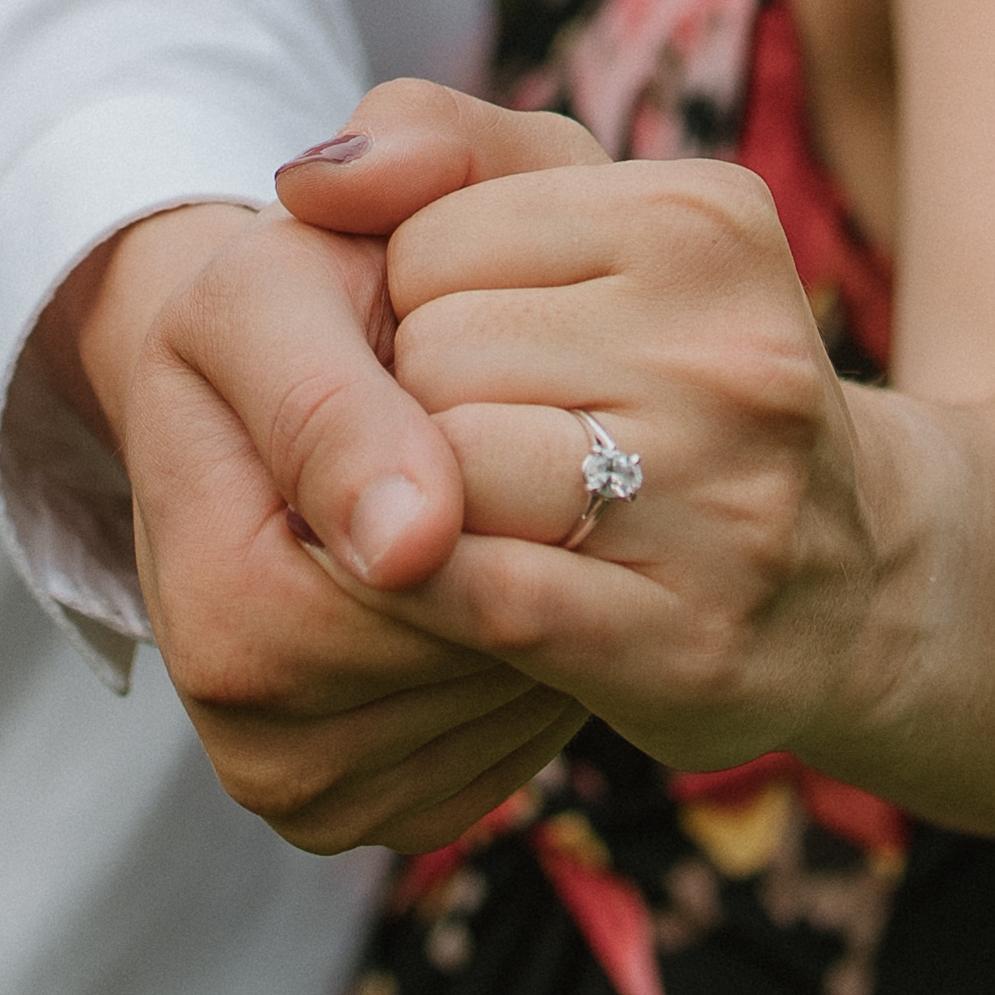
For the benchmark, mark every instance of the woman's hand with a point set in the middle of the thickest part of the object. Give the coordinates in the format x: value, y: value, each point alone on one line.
x: 808, y: 565
x: 719, y: 615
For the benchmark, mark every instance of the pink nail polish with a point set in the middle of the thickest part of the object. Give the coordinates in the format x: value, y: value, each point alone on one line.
x: 339, y: 150
x: 301, y: 529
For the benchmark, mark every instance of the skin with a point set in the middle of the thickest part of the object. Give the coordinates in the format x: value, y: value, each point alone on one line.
x: 850, y: 76
x: 786, y: 582
x: 875, y: 501
x: 901, y: 638
x: 337, y: 725
x: 865, y: 687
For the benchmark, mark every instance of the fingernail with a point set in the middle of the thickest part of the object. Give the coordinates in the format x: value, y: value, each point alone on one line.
x: 339, y: 150
x: 301, y: 529
x: 323, y: 560
x: 381, y: 516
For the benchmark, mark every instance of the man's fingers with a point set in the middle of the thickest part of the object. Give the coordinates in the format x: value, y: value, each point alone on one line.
x: 216, y: 557
x: 530, y: 346
x: 297, y: 360
x: 411, y: 142
x: 513, y: 741
x: 294, y: 762
x: 557, y: 616
x: 434, y: 826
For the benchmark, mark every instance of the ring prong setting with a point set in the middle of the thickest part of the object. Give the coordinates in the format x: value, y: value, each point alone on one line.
x: 609, y: 475
x: 612, y: 474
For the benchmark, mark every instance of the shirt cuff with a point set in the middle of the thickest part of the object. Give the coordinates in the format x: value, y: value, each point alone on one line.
x: 65, y: 510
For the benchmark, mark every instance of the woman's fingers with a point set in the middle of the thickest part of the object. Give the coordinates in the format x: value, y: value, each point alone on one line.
x: 521, y: 467
x: 671, y: 223
x: 543, y: 229
x: 554, y: 615
x: 562, y: 346
x: 704, y: 490
x: 411, y: 142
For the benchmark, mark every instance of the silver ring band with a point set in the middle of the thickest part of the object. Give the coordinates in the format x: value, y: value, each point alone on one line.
x: 609, y: 475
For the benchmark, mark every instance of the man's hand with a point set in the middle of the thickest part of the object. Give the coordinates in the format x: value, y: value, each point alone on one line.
x: 240, y: 365
x: 256, y: 387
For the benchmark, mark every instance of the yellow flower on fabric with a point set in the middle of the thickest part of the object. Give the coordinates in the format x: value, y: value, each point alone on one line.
x: 572, y: 833
x: 741, y: 839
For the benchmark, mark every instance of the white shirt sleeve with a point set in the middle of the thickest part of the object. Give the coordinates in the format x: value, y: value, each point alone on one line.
x: 111, y: 112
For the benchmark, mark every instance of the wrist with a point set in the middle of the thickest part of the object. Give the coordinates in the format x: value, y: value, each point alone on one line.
x: 89, y: 338
x: 905, y: 722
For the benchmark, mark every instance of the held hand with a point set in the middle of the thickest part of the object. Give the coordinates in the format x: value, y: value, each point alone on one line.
x: 262, y: 383
x: 334, y: 724
x: 715, y: 618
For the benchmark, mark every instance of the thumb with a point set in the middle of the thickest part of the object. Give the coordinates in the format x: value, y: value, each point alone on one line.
x: 278, y: 328
x: 411, y: 142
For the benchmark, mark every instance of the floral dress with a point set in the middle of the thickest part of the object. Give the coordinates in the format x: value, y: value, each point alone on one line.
x: 611, y: 875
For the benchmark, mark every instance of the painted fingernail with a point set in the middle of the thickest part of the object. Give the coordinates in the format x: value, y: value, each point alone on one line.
x: 300, y: 528
x: 338, y: 150
x: 382, y: 515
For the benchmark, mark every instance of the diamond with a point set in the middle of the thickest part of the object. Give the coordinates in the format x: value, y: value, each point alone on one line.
x: 612, y: 474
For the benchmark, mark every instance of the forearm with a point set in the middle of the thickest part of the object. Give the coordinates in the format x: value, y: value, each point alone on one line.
x: 918, y: 697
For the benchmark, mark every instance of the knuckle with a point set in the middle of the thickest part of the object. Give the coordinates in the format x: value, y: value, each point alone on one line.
x: 194, y: 323
x: 418, y: 270
x: 176, y: 320
x: 326, y: 826
x: 224, y: 679
x: 766, y: 520
x: 708, y: 673
x: 408, y: 93
x: 323, y: 841
x: 266, y: 791
x: 417, y: 342
x: 159, y: 352
x: 409, y: 274
x: 463, y: 429
x: 741, y: 186
x: 770, y: 381
x: 731, y: 191
x: 302, y: 427
x: 422, y: 833
x: 217, y: 287
x: 574, y: 141
x: 427, y: 340
x: 333, y: 820
x: 222, y: 658
x: 405, y: 276
x: 776, y: 380
x: 712, y: 200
